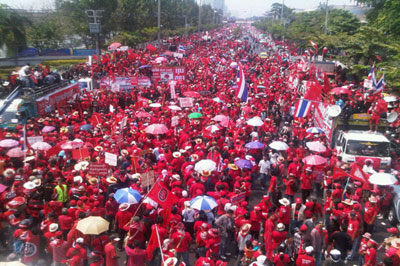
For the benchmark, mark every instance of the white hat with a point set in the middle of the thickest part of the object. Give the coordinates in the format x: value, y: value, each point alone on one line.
x: 78, y: 179
x: 176, y: 154
x: 171, y: 261
x: 309, y: 249
x: 280, y: 227
x: 284, y: 201
x: 79, y: 240
x: 29, y: 185
x: 37, y: 182
x: 176, y: 176
x: 124, y: 206
x: 184, y: 193
x: 54, y: 227
x: 261, y: 260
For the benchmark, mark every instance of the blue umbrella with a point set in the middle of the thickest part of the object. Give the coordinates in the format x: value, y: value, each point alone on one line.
x: 203, y: 203
x: 86, y: 127
x: 218, y: 100
x: 127, y: 195
x: 243, y: 163
x: 261, y: 87
x: 144, y: 66
x: 315, y: 130
x: 254, y: 145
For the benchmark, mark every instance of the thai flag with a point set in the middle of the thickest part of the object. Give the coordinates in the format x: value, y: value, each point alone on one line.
x: 380, y: 85
x: 302, y: 108
x: 242, y: 90
x: 24, y: 138
x: 181, y: 48
x: 372, y: 75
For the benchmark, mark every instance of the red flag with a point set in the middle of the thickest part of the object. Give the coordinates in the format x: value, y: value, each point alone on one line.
x: 313, y: 44
x: 162, y: 195
x: 96, y: 119
x: 55, y: 149
x: 339, y: 173
x: 358, y: 174
x: 151, y: 48
x: 327, y: 84
x: 80, y: 154
x: 314, y: 92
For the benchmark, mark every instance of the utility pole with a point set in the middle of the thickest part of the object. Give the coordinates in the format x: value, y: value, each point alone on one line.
x: 326, y: 17
x: 159, y: 22
x: 283, y: 4
x: 94, y: 26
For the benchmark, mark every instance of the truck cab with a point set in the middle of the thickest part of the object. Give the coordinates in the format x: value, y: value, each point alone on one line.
x: 357, y: 146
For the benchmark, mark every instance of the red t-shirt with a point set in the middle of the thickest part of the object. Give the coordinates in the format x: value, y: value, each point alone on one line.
x: 111, y: 255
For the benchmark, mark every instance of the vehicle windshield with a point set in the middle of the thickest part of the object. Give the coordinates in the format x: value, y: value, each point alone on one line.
x: 367, y: 148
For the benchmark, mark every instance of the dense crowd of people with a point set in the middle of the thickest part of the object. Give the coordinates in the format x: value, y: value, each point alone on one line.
x: 272, y: 207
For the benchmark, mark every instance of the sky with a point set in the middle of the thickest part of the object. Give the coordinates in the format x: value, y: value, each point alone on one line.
x: 240, y: 8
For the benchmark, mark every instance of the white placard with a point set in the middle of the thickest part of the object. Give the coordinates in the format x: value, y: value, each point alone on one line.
x: 33, y: 140
x: 111, y: 159
x: 368, y: 83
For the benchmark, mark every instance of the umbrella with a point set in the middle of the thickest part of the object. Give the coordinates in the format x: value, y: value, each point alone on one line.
x: 8, y: 143
x: 47, y: 129
x: 155, y: 105
x: 227, y: 123
x: 11, y: 263
x: 203, y: 203
x: 156, y: 129
x: 279, y: 146
x: 144, y: 66
x: 383, y: 179
x: 114, y: 46
x: 218, y: 100
x: 41, y: 146
x: 255, y: 121
x: 195, y: 115
x: 316, y: 146
x: 205, y: 165
x: 127, y: 195
x: 213, y: 128
x: 220, y: 118
x: 263, y: 55
x: 15, y: 152
x: 234, y: 65
x: 340, y: 90
x: 261, y: 87
x: 243, y: 163
x: 86, y: 127
x: 315, y: 130
x: 71, y: 145
x: 93, y: 225
x: 314, y: 160
x: 193, y: 94
x: 254, y: 145
x: 142, y: 114
x: 174, y: 108
x: 2, y: 188
x: 160, y: 59
x: 390, y: 99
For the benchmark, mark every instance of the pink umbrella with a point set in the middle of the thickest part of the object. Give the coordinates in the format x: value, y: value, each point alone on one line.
x: 41, y: 146
x: 15, y: 152
x: 48, y: 129
x: 70, y: 145
x: 114, y: 46
x: 142, y: 114
x: 227, y: 123
x: 193, y: 94
x: 156, y: 129
x: 160, y: 59
x: 340, y: 90
x: 316, y: 146
x: 8, y: 143
x: 314, y: 160
x: 220, y: 118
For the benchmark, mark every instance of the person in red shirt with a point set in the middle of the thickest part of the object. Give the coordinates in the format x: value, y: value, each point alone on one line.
x: 280, y: 258
x: 122, y: 217
x: 111, y: 254
x: 306, y: 259
x: 284, y: 212
x: 65, y: 221
x: 353, y: 230
x: 181, y: 241
x: 371, y: 211
x: 255, y: 221
x: 306, y: 183
x: 213, y: 242
x: 370, y: 253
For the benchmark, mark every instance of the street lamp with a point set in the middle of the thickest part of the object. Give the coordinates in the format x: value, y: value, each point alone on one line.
x: 326, y: 17
x: 94, y: 25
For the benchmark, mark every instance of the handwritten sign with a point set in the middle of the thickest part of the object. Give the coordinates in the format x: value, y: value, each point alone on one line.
x: 238, y: 198
x: 32, y: 140
x: 174, y: 121
x: 111, y: 159
x: 98, y: 169
x: 148, y: 179
x: 186, y: 102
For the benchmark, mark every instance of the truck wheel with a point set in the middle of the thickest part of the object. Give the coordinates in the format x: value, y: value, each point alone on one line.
x: 392, y: 217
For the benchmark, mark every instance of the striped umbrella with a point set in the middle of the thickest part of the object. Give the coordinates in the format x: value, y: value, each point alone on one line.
x: 203, y: 203
x: 127, y: 195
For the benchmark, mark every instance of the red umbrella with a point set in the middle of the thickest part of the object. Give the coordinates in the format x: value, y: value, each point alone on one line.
x: 15, y: 152
x: 193, y: 94
x: 142, y: 114
x: 220, y: 118
x: 314, y: 160
x: 227, y: 123
x: 340, y: 90
x: 114, y: 46
x: 156, y: 129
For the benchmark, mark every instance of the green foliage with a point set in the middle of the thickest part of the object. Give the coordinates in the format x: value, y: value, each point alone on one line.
x: 46, y: 33
x: 12, y: 30
x: 67, y: 62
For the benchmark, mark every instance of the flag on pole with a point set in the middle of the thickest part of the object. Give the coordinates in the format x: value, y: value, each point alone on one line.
x: 162, y: 195
x: 314, y: 45
x: 181, y: 49
x: 372, y: 75
x: 356, y: 173
x: 380, y: 85
x: 242, y: 90
x: 302, y: 108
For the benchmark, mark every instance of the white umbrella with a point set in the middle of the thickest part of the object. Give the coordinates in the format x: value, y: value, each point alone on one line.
x: 316, y: 146
x: 205, y: 165
x: 174, y: 108
x: 155, y: 105
x: 279, y: 146
x: 255, y: 121
x: 41, y: 146
x: 382, y: 179
x: 203, y: 203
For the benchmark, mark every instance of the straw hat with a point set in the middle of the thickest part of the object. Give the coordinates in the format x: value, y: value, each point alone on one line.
x: 244, y: 230
x: 260, y: 261
x: 348, y: 202
x: 124, y: 152
x: 111, y: 180
x: 176, y: 154
x: 9, y: 172
x: 29, y: 185
x: 233, y: 166
x: 395, y: 243
x: 205, y: 173
x: 78, y: 179
x: 171, y: 261
x: 63, y: 130
x: 37, y: 182
x: 93, y: 180
x: 281, y: 159
x: 53, y: 227
x: 98, y: 148
x: 124, y: 206
x: 280, y: 227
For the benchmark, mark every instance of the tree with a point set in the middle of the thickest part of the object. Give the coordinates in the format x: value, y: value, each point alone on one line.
x: 12, y: 30
x: 46, y: 33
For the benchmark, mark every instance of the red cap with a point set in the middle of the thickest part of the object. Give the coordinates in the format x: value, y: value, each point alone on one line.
x: 298, y: 200
x: 303, y: 228
x: 393, y: 230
